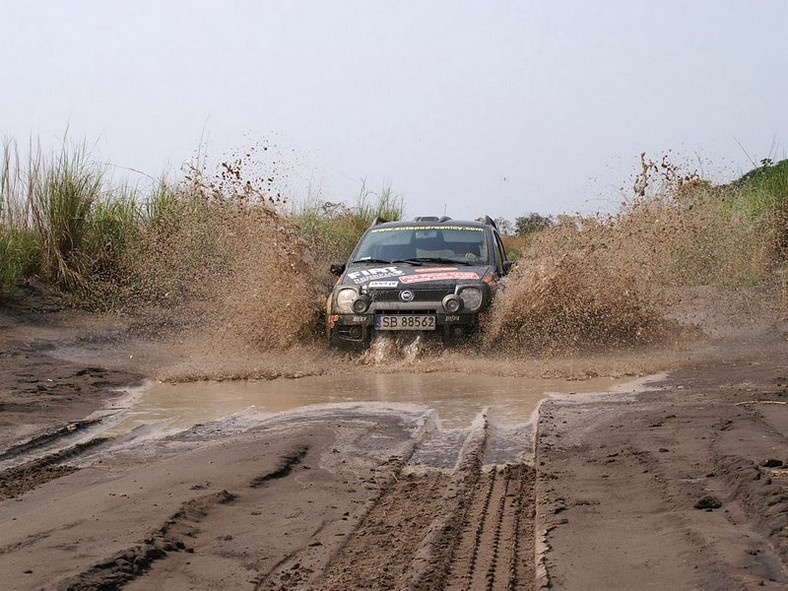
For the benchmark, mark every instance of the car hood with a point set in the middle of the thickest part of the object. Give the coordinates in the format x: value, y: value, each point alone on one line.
x: 392, y: 276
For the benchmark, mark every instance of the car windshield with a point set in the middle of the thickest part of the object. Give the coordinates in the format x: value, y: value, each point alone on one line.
x: 424, y: 244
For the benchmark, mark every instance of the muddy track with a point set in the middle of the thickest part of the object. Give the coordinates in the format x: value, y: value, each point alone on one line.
x: 20, y: 479
x: 495, y: 549
x: 426, y: 527
x: 469, y: 528
x: 133, y: 562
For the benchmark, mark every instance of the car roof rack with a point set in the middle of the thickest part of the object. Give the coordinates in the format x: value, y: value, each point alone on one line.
x: 432, y: 218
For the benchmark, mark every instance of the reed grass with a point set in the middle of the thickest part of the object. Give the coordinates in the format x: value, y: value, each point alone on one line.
x: 333, y: 229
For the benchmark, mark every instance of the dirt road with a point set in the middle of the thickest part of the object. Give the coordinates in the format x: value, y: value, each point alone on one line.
x: 678, y: 484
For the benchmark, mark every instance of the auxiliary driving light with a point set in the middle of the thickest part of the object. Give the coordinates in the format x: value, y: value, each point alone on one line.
x: 360, y: 304
x: 452, y: 303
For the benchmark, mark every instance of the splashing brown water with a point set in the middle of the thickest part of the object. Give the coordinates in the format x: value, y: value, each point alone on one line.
x: 236, y: 273
x: 579, y: 298
x: 620, y: 281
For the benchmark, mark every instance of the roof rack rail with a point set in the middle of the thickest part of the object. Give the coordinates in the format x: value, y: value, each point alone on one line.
x: 431, y: 218
x: 490, y: 221
x: 378, y: 220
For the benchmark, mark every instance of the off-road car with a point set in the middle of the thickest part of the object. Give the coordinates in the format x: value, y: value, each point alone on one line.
x: 433, y: 275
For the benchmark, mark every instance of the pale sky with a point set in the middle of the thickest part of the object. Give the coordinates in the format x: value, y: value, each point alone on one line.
x: 484, y: 107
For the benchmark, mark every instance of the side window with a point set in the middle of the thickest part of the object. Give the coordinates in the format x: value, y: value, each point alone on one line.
x: 500, y: 255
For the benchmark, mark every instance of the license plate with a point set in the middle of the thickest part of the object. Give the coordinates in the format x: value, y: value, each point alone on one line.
x: 404, y: 322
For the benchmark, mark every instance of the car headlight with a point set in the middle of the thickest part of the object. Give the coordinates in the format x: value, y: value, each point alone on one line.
x: 344, y: 299
x: 472, y: 298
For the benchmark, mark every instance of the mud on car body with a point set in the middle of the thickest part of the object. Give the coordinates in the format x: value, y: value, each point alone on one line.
x: 432, y: 275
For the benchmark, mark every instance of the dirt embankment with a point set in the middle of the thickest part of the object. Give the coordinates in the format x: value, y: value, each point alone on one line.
x: 679, y: 484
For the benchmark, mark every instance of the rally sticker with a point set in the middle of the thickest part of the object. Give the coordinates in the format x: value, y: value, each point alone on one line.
x: 377, y: 273
x: 374, y: 284
x: 436, y: 269
x: 439, y: 277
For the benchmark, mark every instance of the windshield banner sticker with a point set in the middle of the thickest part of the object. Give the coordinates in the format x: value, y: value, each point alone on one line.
x: 436, y: 269
x: 419, y: 228
x: 379, y: 273
x: 439, y: 276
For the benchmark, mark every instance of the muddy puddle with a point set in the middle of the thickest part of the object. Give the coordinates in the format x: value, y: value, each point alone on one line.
x: 457, y: 398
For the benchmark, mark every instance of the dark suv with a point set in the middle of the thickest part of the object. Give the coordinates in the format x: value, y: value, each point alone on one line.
x: 432, y: 275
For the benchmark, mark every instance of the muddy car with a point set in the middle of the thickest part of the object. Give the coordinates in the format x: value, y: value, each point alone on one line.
x: 432, y: 275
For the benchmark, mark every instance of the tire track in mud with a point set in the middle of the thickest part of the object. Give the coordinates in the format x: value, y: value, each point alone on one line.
x: 136, y: 561
x: 133, y: 562
x: 25, y: 477
x: 499, y: 528
x: 420, y: 527
x: 47, y: 439
x: 384, y: 544
x: 469, y: 528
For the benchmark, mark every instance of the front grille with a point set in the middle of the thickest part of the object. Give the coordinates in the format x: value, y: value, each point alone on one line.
x: 419, y: 295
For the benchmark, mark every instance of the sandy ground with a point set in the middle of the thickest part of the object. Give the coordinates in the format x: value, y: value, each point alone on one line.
x: 682, y: 484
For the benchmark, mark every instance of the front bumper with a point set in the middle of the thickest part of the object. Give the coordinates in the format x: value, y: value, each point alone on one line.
x: 359, y: 329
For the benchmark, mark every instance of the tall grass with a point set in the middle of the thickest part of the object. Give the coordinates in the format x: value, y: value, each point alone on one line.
x: 333, y: 229
x: 61, y: 221
x: 19, y: 246
x: 64, y: 196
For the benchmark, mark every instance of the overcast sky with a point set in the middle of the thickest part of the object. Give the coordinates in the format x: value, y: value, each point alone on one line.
x: 477, y: 107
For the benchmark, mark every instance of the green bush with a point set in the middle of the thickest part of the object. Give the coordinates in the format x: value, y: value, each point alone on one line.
x: 19, y: 257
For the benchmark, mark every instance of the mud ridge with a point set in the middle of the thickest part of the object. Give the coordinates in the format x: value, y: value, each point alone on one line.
x: 763, y: 492
x: 131, y: 563
x: 20, y: 479
x: 288, y: 462
x: 45, y: 439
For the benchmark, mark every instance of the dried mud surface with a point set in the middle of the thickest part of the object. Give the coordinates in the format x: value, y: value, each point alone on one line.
x: 680, y: 484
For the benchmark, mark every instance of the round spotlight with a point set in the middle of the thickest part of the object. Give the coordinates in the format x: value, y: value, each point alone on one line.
x: 360, y: 305
x: 452, y: 303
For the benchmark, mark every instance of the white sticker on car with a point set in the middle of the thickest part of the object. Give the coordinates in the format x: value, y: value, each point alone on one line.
x: 455, y: 275
x: 377, y: 273
x: 383, y: 284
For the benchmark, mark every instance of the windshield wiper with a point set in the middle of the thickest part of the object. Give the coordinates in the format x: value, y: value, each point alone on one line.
x: 416, y: 262
x: 422, y: 260
x: 369, y: 260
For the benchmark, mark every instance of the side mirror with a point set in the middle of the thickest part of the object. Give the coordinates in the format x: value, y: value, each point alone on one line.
x: 337, y: 269
x: 507, y: 266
